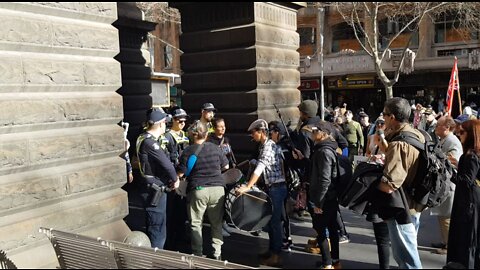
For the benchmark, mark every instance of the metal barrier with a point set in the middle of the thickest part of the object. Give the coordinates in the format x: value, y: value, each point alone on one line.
x: 6, y: 263
x: 82, y: 252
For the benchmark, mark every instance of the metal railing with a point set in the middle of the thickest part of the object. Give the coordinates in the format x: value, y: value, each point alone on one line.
x: 81, y: 252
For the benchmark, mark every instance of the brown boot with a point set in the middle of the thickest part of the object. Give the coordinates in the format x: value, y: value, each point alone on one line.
x: 275, y: 261
x: 312, y: 242
x: 313, y: 250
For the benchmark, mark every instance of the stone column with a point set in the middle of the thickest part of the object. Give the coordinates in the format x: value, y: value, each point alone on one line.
x: 134, y: 58
x: 59, y: 138
x: 241, y: 57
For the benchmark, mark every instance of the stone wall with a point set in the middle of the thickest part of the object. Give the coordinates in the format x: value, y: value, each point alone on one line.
x: 59, y: 141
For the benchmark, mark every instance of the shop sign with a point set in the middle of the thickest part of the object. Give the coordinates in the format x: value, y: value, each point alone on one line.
x: 306, y: 85
x: 350, y: 82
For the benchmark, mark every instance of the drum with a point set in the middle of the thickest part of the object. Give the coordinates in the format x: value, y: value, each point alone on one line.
x: 249, y: 212
x: 232, y: 176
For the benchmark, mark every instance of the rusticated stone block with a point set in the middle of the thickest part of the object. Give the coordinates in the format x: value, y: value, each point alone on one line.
x: 68, y: 35
x: 94, y: 178
x: 10, y: 70
x: 278, y: 77
x: 13, y: 154
x: 16, y: 231
x: 220, y: 81
x: 242, y: 58
x: 276, y: 37
x: 104, y: 12
x: 280, y: 97
x: 53, y: 72
x: 240, y: 37
x: 106, y: 142
x: 107, y: 9
x: 103, y: 73
x: 16, y: 112
x: 30, y: 192
x: 25, y: 30
x: 59, y: 147
x: 269, y: 56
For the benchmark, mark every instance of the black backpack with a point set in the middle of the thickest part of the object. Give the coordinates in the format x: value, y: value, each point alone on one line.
x: 431, y: 183
x: 292, y: 175
x: 344, y: 173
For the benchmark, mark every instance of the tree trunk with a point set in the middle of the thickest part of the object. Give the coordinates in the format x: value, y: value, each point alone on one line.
x: 389, y: 91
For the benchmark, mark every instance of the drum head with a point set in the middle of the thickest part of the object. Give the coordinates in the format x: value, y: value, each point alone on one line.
x: 251, y: 213
x: 232, y: 176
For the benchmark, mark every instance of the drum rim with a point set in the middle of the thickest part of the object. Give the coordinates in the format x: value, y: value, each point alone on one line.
x: 230, y: 203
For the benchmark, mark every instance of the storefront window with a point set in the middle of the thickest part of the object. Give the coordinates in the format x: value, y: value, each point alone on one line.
x: 307, y: 35
x: 389, y: 27
x: 344, y: 38
x: 448, y: 28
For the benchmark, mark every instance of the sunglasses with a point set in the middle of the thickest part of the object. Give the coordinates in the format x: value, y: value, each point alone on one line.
x: 387, y: 114
x: 181, y: 121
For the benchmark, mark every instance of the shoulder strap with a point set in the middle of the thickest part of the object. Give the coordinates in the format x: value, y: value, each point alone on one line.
x: 192, y: 160
x: 410, y: 138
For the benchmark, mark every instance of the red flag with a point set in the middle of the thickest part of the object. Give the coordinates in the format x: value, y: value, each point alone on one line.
x: 453, y: 85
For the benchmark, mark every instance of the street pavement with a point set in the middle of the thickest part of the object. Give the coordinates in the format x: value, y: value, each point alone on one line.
x: 359, y: 253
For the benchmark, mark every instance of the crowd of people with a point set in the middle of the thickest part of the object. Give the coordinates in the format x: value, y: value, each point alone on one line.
x: 197, y: 157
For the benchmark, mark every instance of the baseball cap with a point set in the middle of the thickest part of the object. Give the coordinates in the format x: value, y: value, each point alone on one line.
x: 461, y: 118
x: 157, y: 116
x: 429, y: 111
x: 208, y: 107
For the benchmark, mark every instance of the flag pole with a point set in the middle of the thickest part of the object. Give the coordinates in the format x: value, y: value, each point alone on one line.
x: 459, y: 102
x: 458, y: 87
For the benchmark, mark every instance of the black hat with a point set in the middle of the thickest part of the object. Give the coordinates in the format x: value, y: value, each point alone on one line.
x: 277, y: 126
x: 180, y: 113
x: 208, y: 107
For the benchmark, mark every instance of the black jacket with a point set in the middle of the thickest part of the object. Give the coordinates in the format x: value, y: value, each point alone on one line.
x: 154, y: 163
x: 323, y: 173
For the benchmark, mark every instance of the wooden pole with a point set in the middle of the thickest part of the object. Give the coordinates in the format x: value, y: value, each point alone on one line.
x: 459, y: 102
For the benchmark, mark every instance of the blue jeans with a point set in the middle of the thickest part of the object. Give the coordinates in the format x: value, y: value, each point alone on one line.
x: 404, y: 244
x: 277, y: 194
x: 156, y: 220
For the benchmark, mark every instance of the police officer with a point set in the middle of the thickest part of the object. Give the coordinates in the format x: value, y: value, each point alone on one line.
x: 178, y: 238
x: 176, y: 137
x: 208, y: 112
x: 158, y: 175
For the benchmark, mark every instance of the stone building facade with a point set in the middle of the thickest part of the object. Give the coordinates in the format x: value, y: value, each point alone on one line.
x: 243, y: 58
x: 59, y: 138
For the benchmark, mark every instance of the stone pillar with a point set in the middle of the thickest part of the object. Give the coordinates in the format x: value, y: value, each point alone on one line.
x: 134, y: 58
x: 241, y: 57
x: 59, y: 138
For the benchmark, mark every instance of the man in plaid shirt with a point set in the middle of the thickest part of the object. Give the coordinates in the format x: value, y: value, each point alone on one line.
x: 269, y: 163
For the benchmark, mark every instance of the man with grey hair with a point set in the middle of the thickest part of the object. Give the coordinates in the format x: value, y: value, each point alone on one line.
x: 392, y: 203
x: 452, y: 147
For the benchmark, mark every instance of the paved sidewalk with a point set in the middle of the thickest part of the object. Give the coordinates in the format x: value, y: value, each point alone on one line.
x: 359, y: 253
